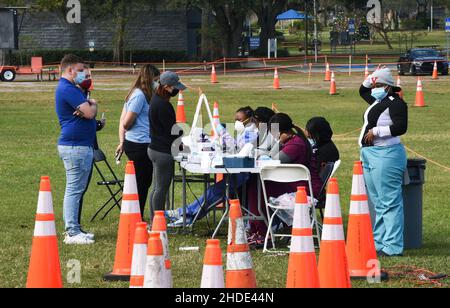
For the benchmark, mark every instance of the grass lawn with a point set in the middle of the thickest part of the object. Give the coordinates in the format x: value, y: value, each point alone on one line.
x: 29, y: 131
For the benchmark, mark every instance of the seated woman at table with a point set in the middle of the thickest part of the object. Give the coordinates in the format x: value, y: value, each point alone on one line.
x: 246, y: 133
x: 319, y: 131
x: 295, y: 148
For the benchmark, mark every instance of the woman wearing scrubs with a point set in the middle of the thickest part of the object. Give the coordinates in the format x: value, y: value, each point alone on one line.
x: 384, y: 158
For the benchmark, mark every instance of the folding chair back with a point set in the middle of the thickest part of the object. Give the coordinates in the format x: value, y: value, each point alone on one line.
x: 285, y: 174
x: 113, y: 184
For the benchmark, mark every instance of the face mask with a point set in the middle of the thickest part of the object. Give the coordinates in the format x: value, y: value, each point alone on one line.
x: 86, y: 84
x: 312, y: 142
x: 379, y: 94
x: 239, y: 127
x: 155, y: 85
x: 81, y: 76
x: 175, y: 92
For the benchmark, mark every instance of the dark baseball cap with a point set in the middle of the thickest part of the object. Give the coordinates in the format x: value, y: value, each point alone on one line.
x: 171, y: 79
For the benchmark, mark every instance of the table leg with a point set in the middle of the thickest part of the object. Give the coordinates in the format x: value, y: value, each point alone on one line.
x: 183, y: 175
x: 227, y: 205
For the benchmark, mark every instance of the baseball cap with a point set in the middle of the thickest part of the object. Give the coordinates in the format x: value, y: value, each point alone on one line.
x: 171, y: 79
x: 384, y: 76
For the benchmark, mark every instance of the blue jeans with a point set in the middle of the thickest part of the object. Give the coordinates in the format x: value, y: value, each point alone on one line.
x: 384, y: 169
x: 78, y: 162
x: 214, y: 194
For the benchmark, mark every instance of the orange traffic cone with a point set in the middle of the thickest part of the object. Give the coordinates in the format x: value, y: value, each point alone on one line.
x: 420, y: 99
x: 302, y: 269
x: 44, y: 269
x: 212, y: 276
x: 240, y: 273
x: 160, y: 226
x: 276, y: 80
x: 435, y: 71
x: 399, y: 84
x: 139, y: 256
x: 181, y: 113
x: 214, y: 75
x: 327, y: 72
x: 333, y: 264
x: 130, y: 215
x: 360, y: 243
x: 154, y: 268
x: 333, y: 84
x: 216, y: 118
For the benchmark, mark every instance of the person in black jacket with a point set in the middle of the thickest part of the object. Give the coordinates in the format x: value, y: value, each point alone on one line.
x: 319, y: 130
x: 162, y: 119
x: 384, y: 158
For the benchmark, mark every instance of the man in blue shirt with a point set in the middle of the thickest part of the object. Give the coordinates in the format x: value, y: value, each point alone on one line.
x: 76, y: 116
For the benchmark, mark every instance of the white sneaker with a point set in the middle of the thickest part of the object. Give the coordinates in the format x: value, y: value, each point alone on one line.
x: 90, y: 236
x: 173, y: 215
x: 79, y: 239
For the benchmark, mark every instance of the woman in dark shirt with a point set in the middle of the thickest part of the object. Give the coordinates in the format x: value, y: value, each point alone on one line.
x: 295, y: 149
x: 319, y: 131
x: 162, y: 118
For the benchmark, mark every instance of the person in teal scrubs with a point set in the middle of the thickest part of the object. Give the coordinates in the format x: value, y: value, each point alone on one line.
x: 384, y: 158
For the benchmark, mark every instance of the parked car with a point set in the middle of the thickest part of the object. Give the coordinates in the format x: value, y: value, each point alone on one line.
x: 421, y: 61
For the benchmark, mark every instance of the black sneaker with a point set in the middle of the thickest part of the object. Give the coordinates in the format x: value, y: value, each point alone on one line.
x: 382, y: 254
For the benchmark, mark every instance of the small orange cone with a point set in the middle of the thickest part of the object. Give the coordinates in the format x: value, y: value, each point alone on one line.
x: 420, y: 99
x: 216, y: 118
x: 435, y: 71
x: 139, y: 256
x: 160, y: 226
x: 399, y: 84
x: 212, y: 276
x: 181, y: 113
x: 360, y: 243
x: 333, y: 90
x: 130, y: 215
x: 302, y: 269
x: 333, y: 264
x: 276, y: 80
x: 327, y: 72
x: 214, y: 75
x: 240, y: 273
x: 154, y: 268
x: 44, y: 269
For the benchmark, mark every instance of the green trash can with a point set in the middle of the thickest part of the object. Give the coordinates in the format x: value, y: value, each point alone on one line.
x: 413, y: 203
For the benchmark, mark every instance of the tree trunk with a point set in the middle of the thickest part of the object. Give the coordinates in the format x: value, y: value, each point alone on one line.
x: 121, y: 24
x: 206, y: 40
x: 2, y: 57
x: 231, y: 25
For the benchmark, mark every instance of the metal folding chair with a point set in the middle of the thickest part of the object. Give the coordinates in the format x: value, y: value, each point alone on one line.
x: 326, y: 174
x: 285, y: 174
x: 114, y: 185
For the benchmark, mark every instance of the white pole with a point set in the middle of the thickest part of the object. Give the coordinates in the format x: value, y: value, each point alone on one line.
x: 316, y: 51
x: 268, y: 49
x: 276, y: 48
x: 432, y: 15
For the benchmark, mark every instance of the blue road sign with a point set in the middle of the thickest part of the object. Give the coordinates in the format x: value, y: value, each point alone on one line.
x: 351, y: 26
x: 447, y: 25
x: 255, y: 42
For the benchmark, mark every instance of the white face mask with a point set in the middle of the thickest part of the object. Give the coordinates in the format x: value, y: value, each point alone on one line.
x: 239, y: 127
x: 155, y: 85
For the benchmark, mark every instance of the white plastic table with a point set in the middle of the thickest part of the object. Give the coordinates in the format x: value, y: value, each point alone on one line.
x: 197, y: 169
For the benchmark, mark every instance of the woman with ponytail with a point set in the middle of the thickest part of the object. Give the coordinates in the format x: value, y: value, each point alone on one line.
x: 294, y: 148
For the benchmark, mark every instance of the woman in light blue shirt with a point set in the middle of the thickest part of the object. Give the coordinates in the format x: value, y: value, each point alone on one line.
x: 134, y: 130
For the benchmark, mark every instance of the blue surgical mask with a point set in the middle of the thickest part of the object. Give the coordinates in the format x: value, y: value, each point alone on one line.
x: 312, y: 142
x: 81, y: 76
x: 155, y: 85
x: 379, y: 94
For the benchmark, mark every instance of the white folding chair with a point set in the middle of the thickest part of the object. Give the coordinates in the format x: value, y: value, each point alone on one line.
x: 285, y: 174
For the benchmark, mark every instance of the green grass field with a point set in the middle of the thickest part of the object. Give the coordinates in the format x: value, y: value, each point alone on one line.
x: 29, y: 130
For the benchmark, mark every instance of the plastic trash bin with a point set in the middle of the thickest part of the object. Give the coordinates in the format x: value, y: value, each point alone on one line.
x: 412, y: 203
